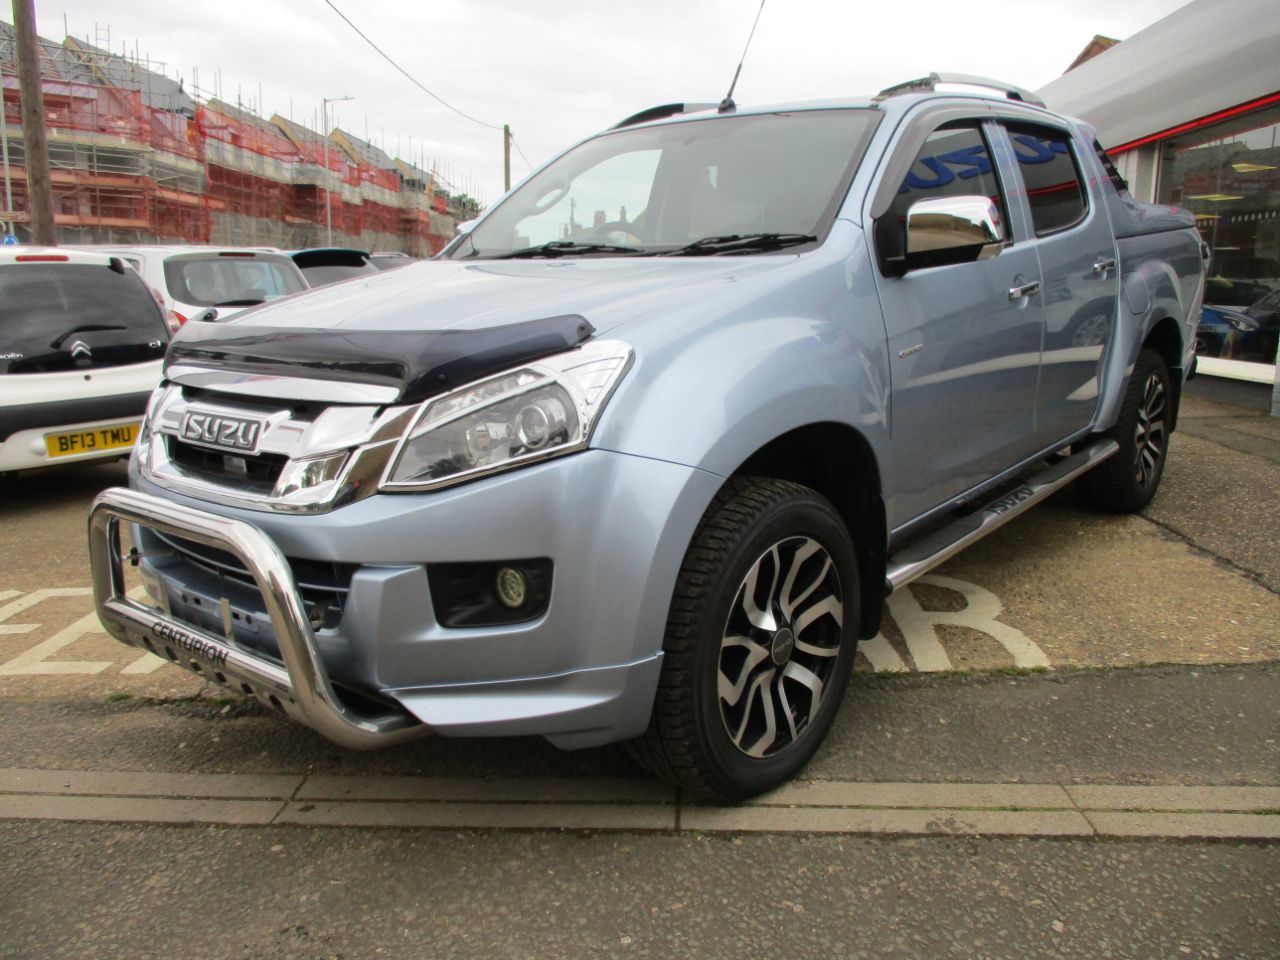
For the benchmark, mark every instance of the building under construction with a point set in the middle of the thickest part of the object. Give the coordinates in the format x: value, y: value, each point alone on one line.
x: 135, y: 158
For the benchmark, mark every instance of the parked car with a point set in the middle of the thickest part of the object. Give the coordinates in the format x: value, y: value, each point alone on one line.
x: 196, y: 280
x: 1249, y: 334
x: 82, y: 341
x: 325, y: 265
x: 639, y: 455
x: 390, y: 260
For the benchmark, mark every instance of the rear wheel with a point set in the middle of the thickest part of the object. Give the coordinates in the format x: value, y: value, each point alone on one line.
x: 1126, y: 482
x: 759, y: 643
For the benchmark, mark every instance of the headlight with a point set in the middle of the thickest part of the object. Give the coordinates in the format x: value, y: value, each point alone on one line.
x: 1243, y: 324
x: 539, y: 410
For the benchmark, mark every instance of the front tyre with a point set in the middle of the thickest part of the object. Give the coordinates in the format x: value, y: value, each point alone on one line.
x: 1126, y: 482
x: 759, y: 643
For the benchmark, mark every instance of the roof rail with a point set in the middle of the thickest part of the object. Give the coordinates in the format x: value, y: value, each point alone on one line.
x: 932, y: 80
x: 659, y: 112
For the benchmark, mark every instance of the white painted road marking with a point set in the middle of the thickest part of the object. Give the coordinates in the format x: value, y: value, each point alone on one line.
x: 926, y: 648
x: 35, y: 661
x: 30, y: 600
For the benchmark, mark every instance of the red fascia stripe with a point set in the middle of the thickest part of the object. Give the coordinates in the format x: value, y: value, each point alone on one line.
x: 1196, y: 124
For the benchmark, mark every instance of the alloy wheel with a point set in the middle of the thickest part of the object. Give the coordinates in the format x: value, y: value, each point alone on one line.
x: 1149, y: 431
x: 779, y: 647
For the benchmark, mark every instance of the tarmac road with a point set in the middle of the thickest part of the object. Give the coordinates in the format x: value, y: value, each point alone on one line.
x: 1009, y: 776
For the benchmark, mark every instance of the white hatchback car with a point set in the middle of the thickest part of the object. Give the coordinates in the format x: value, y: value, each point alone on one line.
x: 82, y: 341
x: 194, y: 280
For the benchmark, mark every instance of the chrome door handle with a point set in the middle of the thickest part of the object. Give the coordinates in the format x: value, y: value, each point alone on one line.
x: 1103, y: 267
x: 1026, y: 290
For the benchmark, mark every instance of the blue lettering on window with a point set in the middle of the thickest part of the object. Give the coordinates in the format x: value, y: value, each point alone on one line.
x: 1042, y: 151
x: 942, y: 176
x: 974, y: 158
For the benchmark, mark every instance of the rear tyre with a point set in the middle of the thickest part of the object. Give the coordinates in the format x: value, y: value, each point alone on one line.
x: 1127, y: 481
x: 759, y: 643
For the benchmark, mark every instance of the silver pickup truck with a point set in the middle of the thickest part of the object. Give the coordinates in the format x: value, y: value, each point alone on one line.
x: 639, y: 456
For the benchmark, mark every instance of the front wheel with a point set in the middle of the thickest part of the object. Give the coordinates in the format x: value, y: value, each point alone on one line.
x: 1127, y: 481
x: 759, y: 643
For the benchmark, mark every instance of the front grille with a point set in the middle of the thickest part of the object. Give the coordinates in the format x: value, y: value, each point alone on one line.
x: 255, y: 474
x: 323, y: 586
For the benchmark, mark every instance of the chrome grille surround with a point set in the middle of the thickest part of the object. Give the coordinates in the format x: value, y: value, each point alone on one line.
x: 357, y: 440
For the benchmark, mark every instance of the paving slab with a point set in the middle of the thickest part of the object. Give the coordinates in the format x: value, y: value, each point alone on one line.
x: 490, y: 789
x: 987, y: 823
x: 14, y: 806
x: 843, y: 793
x: 134, y: 784
x: 470, y: 816
x: 1221, y: 799
x: 1186, y: 826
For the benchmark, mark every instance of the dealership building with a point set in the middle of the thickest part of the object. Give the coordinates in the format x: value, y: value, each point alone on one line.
x: 1189, y: 109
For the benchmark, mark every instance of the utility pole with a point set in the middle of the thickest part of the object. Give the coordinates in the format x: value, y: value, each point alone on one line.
x: 35, y: 143
x: 324, y: 133
x: 506, y: 157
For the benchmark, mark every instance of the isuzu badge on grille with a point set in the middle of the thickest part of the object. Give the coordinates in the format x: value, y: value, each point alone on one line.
x: 220, y: 431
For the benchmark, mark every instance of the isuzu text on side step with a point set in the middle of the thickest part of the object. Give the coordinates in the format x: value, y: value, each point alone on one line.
x: 640, y: 454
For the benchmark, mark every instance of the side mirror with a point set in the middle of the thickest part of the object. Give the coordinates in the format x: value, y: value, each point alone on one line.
x: 466, y: 226
x: 945, y: 230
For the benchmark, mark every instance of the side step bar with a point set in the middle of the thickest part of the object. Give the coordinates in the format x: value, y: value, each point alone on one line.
x: 923, y: 555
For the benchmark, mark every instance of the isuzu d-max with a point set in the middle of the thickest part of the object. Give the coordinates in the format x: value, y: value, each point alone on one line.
x: 639, y: 456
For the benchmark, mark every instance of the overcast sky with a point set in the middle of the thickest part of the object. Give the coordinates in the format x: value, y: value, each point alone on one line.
x: 558, y: 70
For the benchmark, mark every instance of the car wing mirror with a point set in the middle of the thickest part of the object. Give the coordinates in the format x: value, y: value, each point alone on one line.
x: 945, y: 230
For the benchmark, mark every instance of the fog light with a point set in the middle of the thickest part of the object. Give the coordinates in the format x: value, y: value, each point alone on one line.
x: 512, y: 589
x: 490, y: 593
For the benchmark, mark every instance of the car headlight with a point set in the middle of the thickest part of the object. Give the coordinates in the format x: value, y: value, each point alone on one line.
x: 539, y: 410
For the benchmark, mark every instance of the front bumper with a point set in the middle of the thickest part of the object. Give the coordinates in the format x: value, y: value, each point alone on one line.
x: 582, y: 673
x: 300, y: 689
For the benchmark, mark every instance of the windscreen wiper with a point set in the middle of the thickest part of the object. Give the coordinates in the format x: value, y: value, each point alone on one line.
x: 246, y: 302
x: 738, y: 243
x: 83, y: 328
x: 559, y: 248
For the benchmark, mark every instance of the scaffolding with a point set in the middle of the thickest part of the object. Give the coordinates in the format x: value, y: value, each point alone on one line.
x: 136, y: 158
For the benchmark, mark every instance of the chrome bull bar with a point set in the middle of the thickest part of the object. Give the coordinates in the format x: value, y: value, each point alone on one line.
x: 301, y: 689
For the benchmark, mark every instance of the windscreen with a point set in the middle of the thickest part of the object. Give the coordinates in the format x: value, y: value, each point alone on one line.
x: 657, y: 189
x: 230, y: 281
x: 324, y: 274
x: 64, y: 316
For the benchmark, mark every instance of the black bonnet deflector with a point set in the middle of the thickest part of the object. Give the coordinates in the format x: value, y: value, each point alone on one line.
x: 419, y: 363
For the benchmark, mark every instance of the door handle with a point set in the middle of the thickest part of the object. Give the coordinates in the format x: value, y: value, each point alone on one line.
x: 1103, y: 267
x: 1026, y: 290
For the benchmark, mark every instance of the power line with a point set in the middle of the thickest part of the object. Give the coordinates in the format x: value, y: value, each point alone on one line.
x: 521, y: 152
x: 407, y: 75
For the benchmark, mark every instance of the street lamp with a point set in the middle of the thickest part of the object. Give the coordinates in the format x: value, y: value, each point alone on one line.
x: 324, y: 135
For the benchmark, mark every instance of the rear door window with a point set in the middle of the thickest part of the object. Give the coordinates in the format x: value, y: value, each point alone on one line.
x: 1051, y: 175
x: 46, y: 309
x: 230, y: 281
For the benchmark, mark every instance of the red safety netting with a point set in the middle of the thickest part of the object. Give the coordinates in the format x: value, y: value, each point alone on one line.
x: 245, y: 132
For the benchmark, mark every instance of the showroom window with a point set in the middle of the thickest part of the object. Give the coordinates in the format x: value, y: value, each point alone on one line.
x: 1228, y: 175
